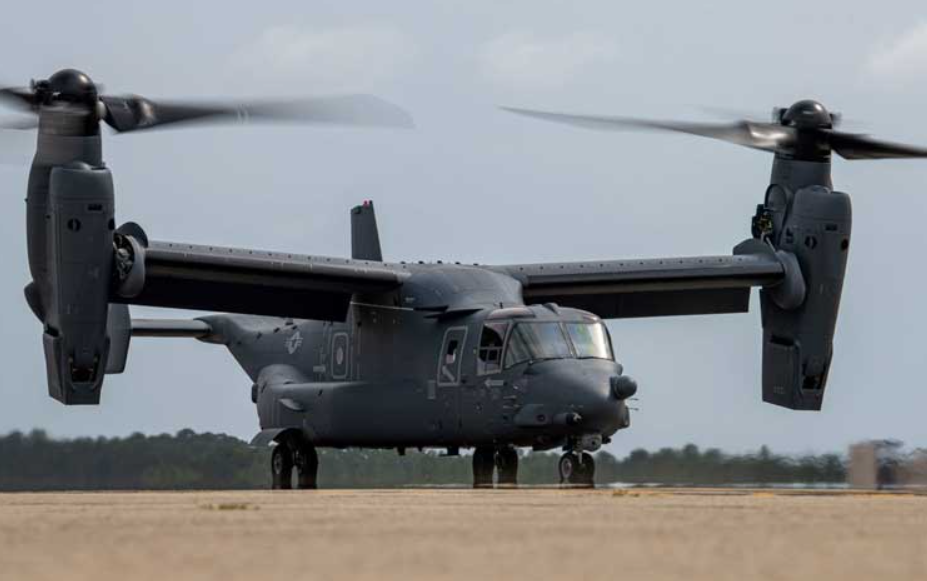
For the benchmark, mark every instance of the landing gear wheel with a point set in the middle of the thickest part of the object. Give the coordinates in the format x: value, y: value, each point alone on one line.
x: 577, y: 470
x: 568, y: 467
x: 483, y: 464
x: 507, y: 466
x: 306, y: 462
x: 587, y: 473
x: 281, y: 467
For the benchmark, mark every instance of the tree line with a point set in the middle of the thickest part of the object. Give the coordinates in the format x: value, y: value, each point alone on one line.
x: 189, y: 460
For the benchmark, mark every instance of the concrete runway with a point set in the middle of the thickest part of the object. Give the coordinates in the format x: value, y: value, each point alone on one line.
x: 463, y: 534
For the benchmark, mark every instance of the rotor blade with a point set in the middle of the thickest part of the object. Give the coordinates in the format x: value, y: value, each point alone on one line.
x: 133, y: 113
x: 764, y: 136
x: 19, y: 97
x: 859, y: 146
x: 731, y: 114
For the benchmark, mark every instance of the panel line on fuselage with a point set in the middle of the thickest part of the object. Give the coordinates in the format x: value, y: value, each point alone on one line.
x: 385, y: 307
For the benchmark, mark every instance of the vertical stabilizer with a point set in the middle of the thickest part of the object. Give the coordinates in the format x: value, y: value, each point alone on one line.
x: 365, y: 239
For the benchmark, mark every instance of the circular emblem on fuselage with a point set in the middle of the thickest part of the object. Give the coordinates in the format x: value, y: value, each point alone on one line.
x: 294, y: 342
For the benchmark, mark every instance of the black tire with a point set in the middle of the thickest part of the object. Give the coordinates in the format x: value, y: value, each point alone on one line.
x: 587, y: 470
x: 306, y: 462
x: 483, y: 464
x: 568, y: 466
x: 507, y: 466
x: 281, y: 467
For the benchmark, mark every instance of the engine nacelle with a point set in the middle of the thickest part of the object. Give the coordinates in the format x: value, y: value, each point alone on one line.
x: 79, y: 257
x: 812, y: 224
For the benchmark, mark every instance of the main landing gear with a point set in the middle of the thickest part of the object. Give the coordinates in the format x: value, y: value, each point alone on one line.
x: 502, y: 461
x: 577, y: 470
x: 294, y: 454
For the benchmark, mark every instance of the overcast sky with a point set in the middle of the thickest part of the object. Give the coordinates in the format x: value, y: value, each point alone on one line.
x: 475, y: 184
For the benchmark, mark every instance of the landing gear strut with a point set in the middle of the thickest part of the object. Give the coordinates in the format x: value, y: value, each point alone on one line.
x: 281, y: 467
x: 501, y: 461
x: 577, y: 470
x: 290, y: 454
x: 306, y: 462
x: 507, y: 466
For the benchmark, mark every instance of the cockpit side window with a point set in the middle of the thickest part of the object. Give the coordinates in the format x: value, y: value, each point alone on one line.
x: 590, y: 340
x: 489, y: 355
x: 536, y: 342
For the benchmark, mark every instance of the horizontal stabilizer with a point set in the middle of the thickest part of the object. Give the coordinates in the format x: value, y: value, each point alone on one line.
x: 166, y: 328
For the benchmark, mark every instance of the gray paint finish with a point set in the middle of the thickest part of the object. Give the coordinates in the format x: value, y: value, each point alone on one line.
x: 377, y: 354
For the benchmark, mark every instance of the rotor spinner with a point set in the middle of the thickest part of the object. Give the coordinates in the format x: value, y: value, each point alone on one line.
x: 69, y: 85
x: 811, y: 122
x: 807, y: 114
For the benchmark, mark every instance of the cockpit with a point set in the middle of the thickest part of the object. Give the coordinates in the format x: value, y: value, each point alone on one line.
x: 529, y: 334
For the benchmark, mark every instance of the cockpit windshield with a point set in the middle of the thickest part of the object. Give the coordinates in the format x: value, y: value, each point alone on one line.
x: 590, y: 340
x: 530, y: 341
x: 536, y: 341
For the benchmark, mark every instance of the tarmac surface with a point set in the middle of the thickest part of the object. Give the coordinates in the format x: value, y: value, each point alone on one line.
x: 463, y: 534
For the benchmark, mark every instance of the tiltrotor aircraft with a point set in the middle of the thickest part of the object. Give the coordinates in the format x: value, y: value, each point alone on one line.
x: 365, y: 353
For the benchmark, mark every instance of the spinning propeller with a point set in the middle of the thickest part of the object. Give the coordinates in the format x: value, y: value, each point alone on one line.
x: 83, y: 267
x: 804, y: 131
x: 75, y: 91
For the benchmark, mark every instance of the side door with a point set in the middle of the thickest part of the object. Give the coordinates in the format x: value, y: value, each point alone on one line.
x: 482, y: 399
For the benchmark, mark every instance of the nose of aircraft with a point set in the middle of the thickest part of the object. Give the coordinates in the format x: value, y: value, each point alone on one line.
x: 582, y: 393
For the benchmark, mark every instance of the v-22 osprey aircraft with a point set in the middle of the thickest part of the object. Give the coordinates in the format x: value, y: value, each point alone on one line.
x: 361, y: 352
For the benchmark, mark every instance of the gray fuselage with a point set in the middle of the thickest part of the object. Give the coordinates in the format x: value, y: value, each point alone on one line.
x: 415, y: 369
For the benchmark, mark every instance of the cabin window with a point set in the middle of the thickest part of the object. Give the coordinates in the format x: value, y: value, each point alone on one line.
x: 450, y: 357
x: 489, y: 355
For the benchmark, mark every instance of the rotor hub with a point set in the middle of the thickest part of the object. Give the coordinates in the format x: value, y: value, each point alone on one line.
x: 808, y: 114
x: 68, y: 85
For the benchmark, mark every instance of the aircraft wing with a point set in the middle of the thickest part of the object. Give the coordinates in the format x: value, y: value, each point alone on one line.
x: 214, y: 278
x: 618, y: 289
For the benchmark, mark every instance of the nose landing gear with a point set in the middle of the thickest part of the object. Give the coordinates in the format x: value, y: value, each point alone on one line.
x: 577, y: 470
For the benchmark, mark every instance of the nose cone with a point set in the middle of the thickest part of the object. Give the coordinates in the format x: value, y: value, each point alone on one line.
x: 623, y: 387
x: 583, y: 387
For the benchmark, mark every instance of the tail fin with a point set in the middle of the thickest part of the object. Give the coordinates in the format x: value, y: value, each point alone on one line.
x: 365, y: 238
